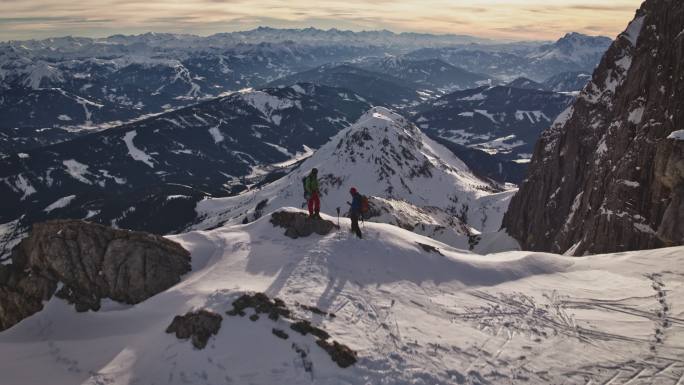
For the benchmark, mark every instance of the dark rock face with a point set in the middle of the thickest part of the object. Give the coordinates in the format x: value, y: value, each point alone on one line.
x: 261, y: 304
x: 429, y: 248
x: 280, y: 334
x: 341, y: 354
x: 299, y: 225
x: 304, y: 327
x: 21, y: 294
x: 199, y: 326
x: 92, y: 262
x: 605, y: 177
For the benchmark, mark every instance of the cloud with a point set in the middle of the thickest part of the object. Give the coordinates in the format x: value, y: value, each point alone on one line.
x: 512, y: 19
x: 602, y: 8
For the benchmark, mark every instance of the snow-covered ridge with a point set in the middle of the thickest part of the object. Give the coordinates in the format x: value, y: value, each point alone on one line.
x: 414, y: 316
x: 383, y: 155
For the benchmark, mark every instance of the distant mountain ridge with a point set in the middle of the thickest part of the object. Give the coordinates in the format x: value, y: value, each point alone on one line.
x: 313, y: 36
x: 429, y: 74
x: 379, y: 88
x: 52, y: 89
x: 573, y: 52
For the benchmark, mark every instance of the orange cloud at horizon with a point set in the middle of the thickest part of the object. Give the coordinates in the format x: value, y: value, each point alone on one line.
x: 497, y: 19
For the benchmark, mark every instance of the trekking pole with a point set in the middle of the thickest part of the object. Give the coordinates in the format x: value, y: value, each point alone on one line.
x: 338, y: 217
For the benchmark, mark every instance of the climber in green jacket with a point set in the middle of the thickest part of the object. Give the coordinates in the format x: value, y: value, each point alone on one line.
x: 312, y: 194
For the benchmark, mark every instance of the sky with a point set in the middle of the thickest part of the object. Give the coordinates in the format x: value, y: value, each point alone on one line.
x: 497, y: 19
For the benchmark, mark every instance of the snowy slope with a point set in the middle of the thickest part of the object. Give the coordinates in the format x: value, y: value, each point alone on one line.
x: 383, y: 155
x: 414, y: 317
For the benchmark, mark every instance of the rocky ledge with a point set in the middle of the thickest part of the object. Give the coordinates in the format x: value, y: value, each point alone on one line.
x: 300, y: 225
x: 91, y: 262
x: 199, y: 326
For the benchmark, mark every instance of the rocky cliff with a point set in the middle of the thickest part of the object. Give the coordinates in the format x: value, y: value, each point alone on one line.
x: 608, y: 175
x: 89, y: 262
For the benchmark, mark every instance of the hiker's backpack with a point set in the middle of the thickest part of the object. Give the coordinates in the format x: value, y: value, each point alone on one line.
x: 304, y: 184
x: 365, y: 208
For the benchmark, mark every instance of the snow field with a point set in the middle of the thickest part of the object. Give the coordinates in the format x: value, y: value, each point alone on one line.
x: 415, y: 317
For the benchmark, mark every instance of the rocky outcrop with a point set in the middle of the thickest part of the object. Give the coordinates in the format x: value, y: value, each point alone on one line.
x: 21, y: 294
x: 91, y: 262
x: 278, y: 310
x: 300, y: 225
x: 605, y: 176
x: 261, y: 304
x: 199, y: 326
x: 340, y: 354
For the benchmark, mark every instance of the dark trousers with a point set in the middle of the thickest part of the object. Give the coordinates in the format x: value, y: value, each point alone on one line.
x: 355, y: 224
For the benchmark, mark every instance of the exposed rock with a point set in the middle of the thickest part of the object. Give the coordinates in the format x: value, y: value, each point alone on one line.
x: 429, y: 248
x: 315, y: 310
x: 300, y: 225
x: 605, y: 177
x: 304, y: 327
x: 280, y: 333
x: 261, y: 304
x: 341, y: 354
x: 21, y: 294
x: 92, y: 262
x: 199, y: 326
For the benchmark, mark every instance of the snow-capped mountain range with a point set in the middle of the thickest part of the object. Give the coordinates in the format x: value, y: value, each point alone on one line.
x: 134, y: 174
x: 435, y: 293
x: 573, y: 52
x: 54, y: 88
x: 46, y: 97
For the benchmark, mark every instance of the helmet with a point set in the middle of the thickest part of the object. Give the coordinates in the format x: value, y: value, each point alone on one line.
x: 352, y: 190
x: 314, y: 170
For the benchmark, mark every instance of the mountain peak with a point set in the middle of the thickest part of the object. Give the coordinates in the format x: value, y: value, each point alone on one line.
x: 380, y: 116
x: 383, y: 155
x: 580, y: 37
x: 600, y: 179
